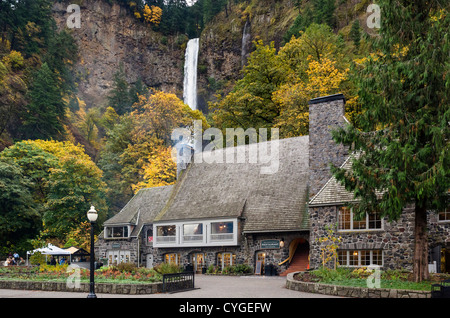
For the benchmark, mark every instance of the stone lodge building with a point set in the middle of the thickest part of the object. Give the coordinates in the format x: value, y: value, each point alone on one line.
x: 230, y: 213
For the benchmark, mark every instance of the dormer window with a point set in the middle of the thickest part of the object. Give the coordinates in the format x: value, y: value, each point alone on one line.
x: 117, y: 232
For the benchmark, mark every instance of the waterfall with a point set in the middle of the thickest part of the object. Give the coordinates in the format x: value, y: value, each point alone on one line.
x: 190, y: 74
x: 246, y: 42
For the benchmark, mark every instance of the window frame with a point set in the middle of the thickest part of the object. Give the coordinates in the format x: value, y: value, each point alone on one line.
x: 221, y: 259
x: 209, y: 237
x: 446, y: 214
x: 109, y: 232
x: 356, y: 260
x: 352, y: 222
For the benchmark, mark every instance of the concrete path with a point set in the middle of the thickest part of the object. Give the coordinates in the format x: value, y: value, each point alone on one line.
x: 207, y: 287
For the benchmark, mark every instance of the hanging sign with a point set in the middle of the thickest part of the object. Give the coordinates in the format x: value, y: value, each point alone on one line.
x: 267, y: 244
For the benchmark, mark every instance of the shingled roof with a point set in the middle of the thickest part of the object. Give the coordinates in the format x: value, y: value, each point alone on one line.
x: 333, y: 192
x: 142, y: 208
x: 267, y: 202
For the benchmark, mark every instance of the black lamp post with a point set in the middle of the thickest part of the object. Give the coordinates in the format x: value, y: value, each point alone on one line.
x: 92, y: 217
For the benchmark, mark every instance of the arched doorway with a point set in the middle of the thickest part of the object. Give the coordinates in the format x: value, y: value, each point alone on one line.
x: 298, y: 259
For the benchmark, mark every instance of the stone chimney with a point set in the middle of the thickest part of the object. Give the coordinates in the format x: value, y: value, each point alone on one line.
x: 325, y: 114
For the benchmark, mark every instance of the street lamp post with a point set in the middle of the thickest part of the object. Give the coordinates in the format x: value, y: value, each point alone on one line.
x: 92, y: 217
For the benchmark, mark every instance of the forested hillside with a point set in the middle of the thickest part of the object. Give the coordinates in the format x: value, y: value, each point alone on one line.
x: 86, y: 114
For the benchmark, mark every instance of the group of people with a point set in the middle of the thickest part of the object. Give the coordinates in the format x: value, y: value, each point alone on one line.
x: 61, y: 261
x: 14, y: 259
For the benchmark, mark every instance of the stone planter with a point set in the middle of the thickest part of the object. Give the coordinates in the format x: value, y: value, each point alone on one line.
x: 348, y: 291
x: 101, y: 288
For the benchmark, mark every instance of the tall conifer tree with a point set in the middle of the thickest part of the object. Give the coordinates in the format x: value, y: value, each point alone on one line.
x: 403, y: 146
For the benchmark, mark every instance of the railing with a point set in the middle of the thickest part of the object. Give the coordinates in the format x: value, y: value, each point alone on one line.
x: 222, y: 237
x: 441, y: 290
x: 193, y: 238
x: 166, y: 239
x: 178, y: 282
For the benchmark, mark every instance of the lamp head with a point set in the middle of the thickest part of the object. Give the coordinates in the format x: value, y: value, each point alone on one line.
x: 92, y: 214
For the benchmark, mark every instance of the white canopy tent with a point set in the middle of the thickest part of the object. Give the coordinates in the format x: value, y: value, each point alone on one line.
x: 50, y: 249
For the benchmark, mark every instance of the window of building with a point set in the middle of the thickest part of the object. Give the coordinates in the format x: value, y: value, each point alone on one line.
x: 193, y: 232
x: 172, y: 258
x: 222, y: 231
x: 149, y: 236
x: 166, y: 233
x: 358, y: 258
x: 116, y: 257
x: 347, y: 222
x: 225, y: 259
x: 444, y: 215
x: 117, y: 232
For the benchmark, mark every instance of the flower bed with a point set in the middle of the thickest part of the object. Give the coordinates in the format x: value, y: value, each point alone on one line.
x: 354, y: 283
x: 122, y: 279
x: 394, y: 279
x: 124, y: 273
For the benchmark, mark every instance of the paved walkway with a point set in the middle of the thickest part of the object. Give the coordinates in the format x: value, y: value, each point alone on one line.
x: 207, y: 287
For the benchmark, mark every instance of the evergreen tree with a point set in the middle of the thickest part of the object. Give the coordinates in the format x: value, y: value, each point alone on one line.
x: 324, y: 12
x: 119, y: 97
x: 44, y: 115
x: 355, y: 33
x: 403, y: 147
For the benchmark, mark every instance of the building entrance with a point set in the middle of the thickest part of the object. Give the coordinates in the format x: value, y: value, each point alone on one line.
x: 198, y: 261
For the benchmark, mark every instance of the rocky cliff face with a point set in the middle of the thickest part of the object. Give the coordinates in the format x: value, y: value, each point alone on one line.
x: 109, y: 37
x: 226, y: 41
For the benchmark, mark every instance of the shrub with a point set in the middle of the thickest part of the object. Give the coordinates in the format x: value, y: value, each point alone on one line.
x: 126, y: 267
x: 166, y: 268
x: 37, y: 259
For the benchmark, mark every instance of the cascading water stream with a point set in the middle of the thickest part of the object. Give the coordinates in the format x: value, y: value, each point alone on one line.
x: 246, y: 43
x: 190, y: 73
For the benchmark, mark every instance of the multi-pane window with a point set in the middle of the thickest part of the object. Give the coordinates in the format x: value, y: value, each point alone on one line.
x: 226, y: 259
x: 444, y: 215
x: 117, y: 232
x: 172, y: 258
x: 347, y: 221
x: 357, y: 258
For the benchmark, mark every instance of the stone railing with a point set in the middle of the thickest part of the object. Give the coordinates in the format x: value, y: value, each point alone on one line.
x: 348, y: 291
x: 101, y: 288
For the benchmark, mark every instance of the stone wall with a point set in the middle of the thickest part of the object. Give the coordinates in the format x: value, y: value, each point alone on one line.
x: 348, y: 291
x: 396, y: 239
x: 100, y: 288
x: 102, y: 246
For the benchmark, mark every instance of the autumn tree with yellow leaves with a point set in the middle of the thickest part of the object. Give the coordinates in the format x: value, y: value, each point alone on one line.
x: 277, y: 86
